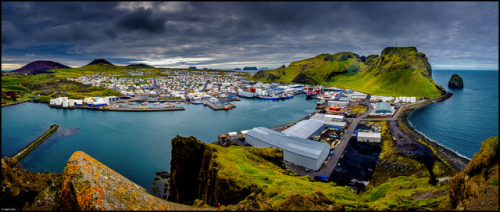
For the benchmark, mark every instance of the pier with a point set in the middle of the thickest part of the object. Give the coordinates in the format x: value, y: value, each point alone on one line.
x: 30, y: 147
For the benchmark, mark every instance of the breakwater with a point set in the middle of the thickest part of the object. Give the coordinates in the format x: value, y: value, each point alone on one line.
x: 30, y: 147
x: 457, y: 162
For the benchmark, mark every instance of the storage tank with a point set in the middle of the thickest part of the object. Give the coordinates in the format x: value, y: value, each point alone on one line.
x: 413, y: 99
x: 408, y: 99
x: 65, y: 102
x: 52, y: 101
x: 58, y: 101
x: 65, y: 98
x: 258, y: 91
x: 71, y: 102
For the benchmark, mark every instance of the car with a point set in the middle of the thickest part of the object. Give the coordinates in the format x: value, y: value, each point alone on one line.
x: 307, y: 170
x: 402, y: 139
x: 321, y: 178
x: 330, y: 154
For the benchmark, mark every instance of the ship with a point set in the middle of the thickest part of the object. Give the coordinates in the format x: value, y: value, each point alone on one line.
x: 269, y: 97
x: 313, y: 93
x: 168, y: 105
x: 287, y: 96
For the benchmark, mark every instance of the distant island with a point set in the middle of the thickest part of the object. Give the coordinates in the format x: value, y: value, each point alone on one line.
x: 249, y: 68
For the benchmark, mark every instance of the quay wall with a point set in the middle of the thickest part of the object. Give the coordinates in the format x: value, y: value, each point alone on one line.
x: 30, y: 147
x: 452, y: 158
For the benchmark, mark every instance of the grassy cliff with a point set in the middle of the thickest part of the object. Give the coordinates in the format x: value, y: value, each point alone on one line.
x: 256, y: 179
x: 398, y: 71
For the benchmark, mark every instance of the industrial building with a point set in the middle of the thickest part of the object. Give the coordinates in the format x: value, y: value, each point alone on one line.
x: 305, y: 128
x: 300, y: 151
x: 338, y: 103
x: 369, y: 137
x: 383, y: 107
x: 327, y: 119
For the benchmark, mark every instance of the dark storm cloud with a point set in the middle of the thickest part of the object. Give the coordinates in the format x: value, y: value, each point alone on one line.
x: 236, y: 34
x: 142, y: 20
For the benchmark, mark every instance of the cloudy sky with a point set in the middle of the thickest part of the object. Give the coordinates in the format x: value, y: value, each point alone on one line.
x: 453, y: 35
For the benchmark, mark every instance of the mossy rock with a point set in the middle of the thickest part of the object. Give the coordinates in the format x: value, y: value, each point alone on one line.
x: 456, y: 82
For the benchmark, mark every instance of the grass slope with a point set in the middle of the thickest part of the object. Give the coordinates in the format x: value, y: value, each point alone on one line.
x: 280, y: 186
x: 399, y: 71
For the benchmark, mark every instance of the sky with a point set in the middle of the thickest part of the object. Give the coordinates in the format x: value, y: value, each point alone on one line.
x: 227, y: 35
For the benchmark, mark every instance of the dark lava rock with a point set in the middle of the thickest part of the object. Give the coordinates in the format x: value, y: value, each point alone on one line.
x: 456, y: 81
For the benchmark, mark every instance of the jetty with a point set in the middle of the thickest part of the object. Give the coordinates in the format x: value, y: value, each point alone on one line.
x: 30, y: 147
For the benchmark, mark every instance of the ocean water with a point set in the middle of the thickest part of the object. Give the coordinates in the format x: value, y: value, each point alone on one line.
x: 135, y: 144
x: 465, y: 120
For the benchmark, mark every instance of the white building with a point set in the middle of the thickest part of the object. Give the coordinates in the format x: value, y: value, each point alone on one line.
x: 369, y: 137
x: 305, y: 128
x: 300, y: 151
x: 328, y: 121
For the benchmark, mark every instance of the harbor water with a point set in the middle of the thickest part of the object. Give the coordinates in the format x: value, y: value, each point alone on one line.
x: 467, y: 118
x: 135, y: 144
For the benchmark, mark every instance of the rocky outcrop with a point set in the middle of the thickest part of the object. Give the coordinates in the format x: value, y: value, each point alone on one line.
x: 456, y: 82
x: 88, y: 184
x: 476, y: 188
x: 25, y: 190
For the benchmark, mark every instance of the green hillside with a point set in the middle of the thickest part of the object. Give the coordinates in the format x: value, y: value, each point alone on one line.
x: 398, y: 71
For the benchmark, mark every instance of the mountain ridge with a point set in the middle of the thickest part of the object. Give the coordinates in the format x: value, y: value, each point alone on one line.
x: 397, y: 71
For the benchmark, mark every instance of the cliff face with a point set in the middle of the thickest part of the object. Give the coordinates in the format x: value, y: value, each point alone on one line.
x: 476, y: 188
x: 195, y: 175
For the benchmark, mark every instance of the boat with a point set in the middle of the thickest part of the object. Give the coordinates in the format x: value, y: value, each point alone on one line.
x: 228, y: 107
x: 131, y: 103
x: 156, y: 103
x: 287, y: 96
x: 144, y: 103
x: 168, y: 105
x: 197, y: 100
x: 269, y: 97
x: 313, y: 93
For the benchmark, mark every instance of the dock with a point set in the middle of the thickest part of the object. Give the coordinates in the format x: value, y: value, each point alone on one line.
x: 31, y: 146
x: 120, y: 109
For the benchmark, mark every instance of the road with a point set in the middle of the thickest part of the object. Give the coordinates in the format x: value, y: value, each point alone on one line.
x: 339, y: 150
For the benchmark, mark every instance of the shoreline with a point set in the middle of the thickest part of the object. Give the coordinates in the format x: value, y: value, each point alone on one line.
x: 455, y: 160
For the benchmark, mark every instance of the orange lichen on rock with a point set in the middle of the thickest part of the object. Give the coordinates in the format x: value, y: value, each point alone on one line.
x: 90, y: 185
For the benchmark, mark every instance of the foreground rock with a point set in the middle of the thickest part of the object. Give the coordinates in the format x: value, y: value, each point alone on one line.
x: 90, y: 185
x: 476, y: 188
x: 456, y: 82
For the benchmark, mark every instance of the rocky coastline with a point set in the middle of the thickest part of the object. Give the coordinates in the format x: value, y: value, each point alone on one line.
x: 456, y: 161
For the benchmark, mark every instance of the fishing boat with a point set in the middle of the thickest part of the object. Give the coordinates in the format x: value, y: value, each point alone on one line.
x: 227, y: 107
x: 269, y: 97
x: 313, y: 93
x: 197, y: 100
x: 287, y: 96
x: 144, y: 103
x: 131, y: 103
x: 156, y: 103
x: 168, y: 105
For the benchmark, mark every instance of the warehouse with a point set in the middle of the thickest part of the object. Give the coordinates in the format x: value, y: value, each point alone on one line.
x: 368, y: 137
x: 383, y: 107
x: 334, y: 117
x: 305, y: 128
x: 338, y: 103
x: 328, y: 121
x: 300, y: 151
